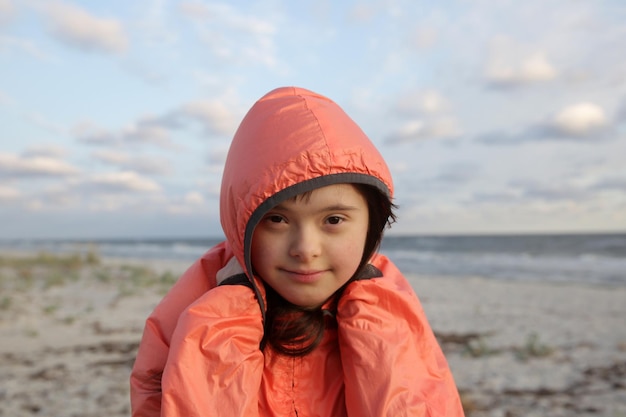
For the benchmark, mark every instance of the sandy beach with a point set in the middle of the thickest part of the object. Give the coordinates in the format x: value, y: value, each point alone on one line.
x: 70, y: 327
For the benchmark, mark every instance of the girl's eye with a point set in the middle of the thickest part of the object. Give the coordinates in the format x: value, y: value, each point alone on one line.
x: 275, y: 218
x: 334, y: 220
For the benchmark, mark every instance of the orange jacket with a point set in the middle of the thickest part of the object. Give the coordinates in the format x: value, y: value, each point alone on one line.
x: 200, y: 355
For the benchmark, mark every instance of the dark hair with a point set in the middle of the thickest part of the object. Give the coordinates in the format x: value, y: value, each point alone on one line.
x: 296, y: 331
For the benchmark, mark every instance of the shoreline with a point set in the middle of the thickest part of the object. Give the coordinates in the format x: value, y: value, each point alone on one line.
x: 70, y: 332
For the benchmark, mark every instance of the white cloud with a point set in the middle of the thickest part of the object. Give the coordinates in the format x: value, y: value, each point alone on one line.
x: 194, y: 9
x: 444, y: 127
x: 107, y: 203
x: 88, y: 132
x: 424, y: 37
x: 428, y: 101
x: 7, y: 9
x: 513, y: 63
x: 423, y: 114
x: 576, y: 122
x: 537, y: 68
x: 214, y: 115
x: 248, y: 23
x: 534, y: 68
x: 8, y: 193
x: 111, y: 157
x: 409, y: 131
x: 8, y: 43
x: 232, y: 35
x: 51, y: 151
x: 56, y: 197
x: 140, y: 164
x: 192, y: 202
x: 216, y: 157
x: 361, y: 13
x: 154, y: 23
x: 79, y: 28
x: 147, y: 130
x: 194, y: 198
x: 19, y: 166
x: 122, y: 182
x: 580, y: 119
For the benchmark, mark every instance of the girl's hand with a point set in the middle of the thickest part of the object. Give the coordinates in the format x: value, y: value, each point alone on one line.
x: 392, y: 363
x: 215, y: 364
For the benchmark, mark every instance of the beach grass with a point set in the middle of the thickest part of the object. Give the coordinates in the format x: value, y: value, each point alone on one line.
x: 68, y: 261
x: 46, y: 270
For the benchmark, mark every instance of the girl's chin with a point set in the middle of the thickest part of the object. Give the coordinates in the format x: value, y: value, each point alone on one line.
x: 308, y: 303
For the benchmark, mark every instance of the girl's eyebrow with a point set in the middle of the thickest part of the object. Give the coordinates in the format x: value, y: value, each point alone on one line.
x: 334, y: 207
x: 340, y: 207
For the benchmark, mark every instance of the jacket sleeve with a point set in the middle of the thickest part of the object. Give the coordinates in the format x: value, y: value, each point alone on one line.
x: 145, y: 379
x: 215, y: 364
x: 392, y: 363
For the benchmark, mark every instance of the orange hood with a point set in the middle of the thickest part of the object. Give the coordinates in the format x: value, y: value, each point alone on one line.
x: 291, y: 141
x: 200, y: 353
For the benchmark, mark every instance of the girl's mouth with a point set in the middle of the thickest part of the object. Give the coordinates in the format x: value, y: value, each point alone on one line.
x: 305, y: 277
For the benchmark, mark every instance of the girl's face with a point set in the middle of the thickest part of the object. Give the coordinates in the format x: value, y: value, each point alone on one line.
x: 308, y: 247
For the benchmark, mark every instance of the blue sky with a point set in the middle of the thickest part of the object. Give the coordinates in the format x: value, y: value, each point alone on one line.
x: 494, y: 116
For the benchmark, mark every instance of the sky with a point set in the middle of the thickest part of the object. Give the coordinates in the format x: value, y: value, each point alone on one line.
x: 494, y: 116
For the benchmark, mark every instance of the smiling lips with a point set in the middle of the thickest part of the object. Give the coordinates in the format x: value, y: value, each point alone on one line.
x: 305, y: 277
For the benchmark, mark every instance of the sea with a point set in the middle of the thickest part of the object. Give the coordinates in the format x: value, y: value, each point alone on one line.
x: 584, y: 258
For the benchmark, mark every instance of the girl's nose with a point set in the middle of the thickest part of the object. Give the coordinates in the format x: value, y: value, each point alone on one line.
x: 305, y: 244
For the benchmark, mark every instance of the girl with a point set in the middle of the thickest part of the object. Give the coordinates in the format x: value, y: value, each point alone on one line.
x: 295, y: 314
